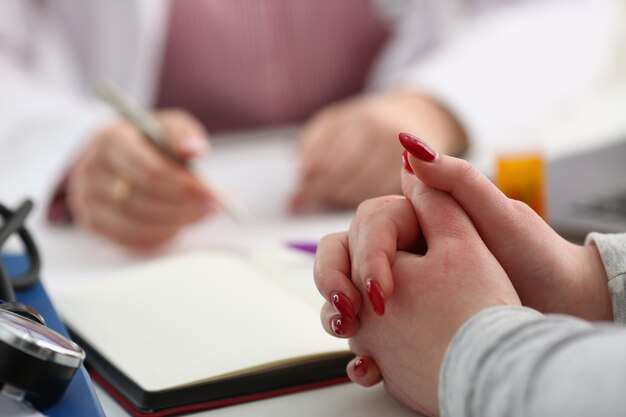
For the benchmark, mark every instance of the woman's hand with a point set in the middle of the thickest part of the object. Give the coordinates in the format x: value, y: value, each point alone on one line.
x: 549, y: 273
x: 348, y: 151
x: 127, y: 190
x: 442, y: 273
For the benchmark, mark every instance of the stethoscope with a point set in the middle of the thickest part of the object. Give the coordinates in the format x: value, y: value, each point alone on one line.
x: 36, y: 363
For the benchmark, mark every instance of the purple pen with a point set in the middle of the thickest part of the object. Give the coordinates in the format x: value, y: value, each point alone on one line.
x: 308, y: 247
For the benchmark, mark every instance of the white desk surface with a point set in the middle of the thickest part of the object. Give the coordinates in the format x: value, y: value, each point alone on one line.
x: 259, y: 169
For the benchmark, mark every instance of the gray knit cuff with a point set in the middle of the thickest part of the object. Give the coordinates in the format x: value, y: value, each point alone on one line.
x: 612, y: 248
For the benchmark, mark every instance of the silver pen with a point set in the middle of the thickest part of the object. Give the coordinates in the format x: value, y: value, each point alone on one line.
x: 156, y: 134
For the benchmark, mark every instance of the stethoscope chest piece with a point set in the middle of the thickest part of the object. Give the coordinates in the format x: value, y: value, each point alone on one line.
x: 36, y: 363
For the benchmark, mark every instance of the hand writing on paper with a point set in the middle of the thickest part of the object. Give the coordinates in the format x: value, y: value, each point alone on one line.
x: 127, y: 190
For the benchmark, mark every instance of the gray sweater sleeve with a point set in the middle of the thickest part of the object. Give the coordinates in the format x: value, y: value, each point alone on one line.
x: 514, y: 361
x: 612, y: 248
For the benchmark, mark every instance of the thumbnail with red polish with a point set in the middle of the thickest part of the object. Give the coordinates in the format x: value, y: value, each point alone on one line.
x: 338, y: 326
x: 359, y: 368
x: 343, y: 305
x: 417, y: 147
x: 376, y: 296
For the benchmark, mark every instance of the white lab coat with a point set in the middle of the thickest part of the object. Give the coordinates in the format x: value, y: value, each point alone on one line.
x: 499, y: 65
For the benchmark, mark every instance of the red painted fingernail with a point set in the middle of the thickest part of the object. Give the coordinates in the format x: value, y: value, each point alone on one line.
x: 338, y: 326
x: 359, y: 368
x: 343, y: 305
x: 376, y: 296
x: 407, y: 166
x: 417, y: 147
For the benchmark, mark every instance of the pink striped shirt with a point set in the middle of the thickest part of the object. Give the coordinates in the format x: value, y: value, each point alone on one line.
x: 249, y: 63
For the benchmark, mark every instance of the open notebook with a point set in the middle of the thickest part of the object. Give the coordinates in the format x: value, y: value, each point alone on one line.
x: 205, y: 329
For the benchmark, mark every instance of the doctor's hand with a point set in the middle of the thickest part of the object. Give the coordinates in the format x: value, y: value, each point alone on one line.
x: 443, y: 275
x: 128, y: 191
x: 348, y: 151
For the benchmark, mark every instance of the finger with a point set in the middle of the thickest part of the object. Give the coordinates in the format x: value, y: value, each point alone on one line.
x: 341, y: 174
x: 160, y: 178
x: 141, y: 206
x: 321, y: 188
x: 349, y: 149
x: 350, y: 175
x: 328, y: 146
x: 331, y: 145
x: 441, y: 218
x: 337, y: 325
x: 315, y: 139
x: 187, y: 135
x: 307, y: 194
x: 310, y: 188
x: 365, y: 165
x: 106, y: 220
x: 146, y: 207
x: 331, y: 272
x: 126, y: 153
x: 494, y: 215
x: 369, y: 178
x: 381, y: 228
x: 363, y: 370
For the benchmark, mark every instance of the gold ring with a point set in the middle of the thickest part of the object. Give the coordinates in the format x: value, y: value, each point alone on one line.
x: 120, y: 190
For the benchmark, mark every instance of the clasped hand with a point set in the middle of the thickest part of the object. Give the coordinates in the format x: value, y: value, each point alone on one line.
x: 413, y: 269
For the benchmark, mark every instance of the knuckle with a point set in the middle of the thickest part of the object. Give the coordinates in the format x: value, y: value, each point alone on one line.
x: 173, y: 112
x: 375, y: 204
x: 177, y: 119
x: 468, y: 172
x: 330, y: 238
x: 467, y: 176
x: 147, y: 239
x: 521, y: 207
x: 370, y: 111
x: 166, y: 114
x: 325, y: 280
x: 374, y: 214
x: 116, y: 132
x: 449, y: 222
x: 88, y: 170
x: 86, y: 218
x: 522, y: 216
x: 153, y: 173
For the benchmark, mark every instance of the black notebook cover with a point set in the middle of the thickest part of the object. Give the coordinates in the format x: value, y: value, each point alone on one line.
x: 263, y: 384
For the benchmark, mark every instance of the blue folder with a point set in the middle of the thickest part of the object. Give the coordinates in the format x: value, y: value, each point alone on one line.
x: 80, y: 399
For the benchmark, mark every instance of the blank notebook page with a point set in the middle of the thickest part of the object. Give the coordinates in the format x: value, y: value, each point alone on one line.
x: 194, y: 317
